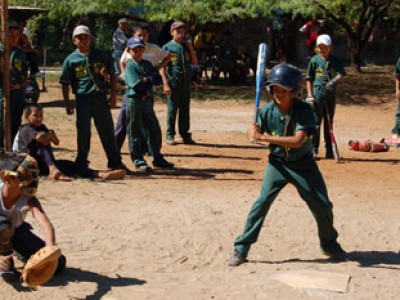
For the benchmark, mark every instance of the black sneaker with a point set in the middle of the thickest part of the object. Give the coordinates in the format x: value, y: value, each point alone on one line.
x: 236, y: 259
x: 329, y: 155
x: 163, y: 163
x: 337, y: 254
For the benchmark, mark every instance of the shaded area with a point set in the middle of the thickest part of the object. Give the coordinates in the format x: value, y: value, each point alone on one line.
x: 104, y: 283
x: 206, y: 155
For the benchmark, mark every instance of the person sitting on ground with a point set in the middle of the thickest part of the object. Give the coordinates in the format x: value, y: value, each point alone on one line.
x: 35, y: 139
x: 18, y: 185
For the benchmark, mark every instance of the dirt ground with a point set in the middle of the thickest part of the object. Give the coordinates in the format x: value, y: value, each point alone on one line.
x: 168, y: 235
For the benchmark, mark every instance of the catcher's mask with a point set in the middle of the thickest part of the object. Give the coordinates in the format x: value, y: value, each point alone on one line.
x: 27, y: 173
x: 286, y: 76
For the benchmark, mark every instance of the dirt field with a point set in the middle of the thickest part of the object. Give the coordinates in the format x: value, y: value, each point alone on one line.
x: 168, y: 235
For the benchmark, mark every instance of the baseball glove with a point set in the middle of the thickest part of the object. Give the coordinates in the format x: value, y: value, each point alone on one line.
x: 41, y: 266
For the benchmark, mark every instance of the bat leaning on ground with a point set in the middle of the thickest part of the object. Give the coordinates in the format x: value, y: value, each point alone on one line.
x: 335, y: 148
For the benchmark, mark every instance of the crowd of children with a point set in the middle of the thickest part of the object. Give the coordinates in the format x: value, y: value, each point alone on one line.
x: 289, y: 125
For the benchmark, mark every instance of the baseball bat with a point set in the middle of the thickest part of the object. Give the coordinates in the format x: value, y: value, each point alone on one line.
x: 261, y: 58
x: 334, y: 144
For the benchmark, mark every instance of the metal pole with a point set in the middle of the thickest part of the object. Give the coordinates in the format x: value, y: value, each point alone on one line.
x: 6, y: 75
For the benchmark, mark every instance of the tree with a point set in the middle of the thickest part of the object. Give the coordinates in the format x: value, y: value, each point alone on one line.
x: 357, y: 17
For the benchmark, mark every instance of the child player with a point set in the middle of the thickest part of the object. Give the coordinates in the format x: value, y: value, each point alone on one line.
x: 396, y: 129
x: 178, y: 74
x: 287, y: 124
x: 18, y: 184
x: 323, y: 73
x: 140, y: 76
x: 87, y: 70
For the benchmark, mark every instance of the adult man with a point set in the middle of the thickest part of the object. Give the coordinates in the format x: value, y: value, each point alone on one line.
x: 120, y: 38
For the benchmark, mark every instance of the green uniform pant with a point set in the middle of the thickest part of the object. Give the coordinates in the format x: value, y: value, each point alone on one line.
x: 95, y: 106
x: 396, y: 128
x: 179, y: 103
x: 322, y: 98
x: 307, y: 179
x: 141, y: 118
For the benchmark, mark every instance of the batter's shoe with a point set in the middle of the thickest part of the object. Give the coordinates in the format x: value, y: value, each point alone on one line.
x: 189, y: 141
x: 337, y: 253
x: 236, y: 259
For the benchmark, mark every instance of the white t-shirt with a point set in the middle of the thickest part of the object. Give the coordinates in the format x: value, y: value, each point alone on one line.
x: 152, y: 53
x: 16, y: 215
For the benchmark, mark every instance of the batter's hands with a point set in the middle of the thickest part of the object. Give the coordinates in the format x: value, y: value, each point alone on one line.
x: 254, y: 132
x: 5, y: 262
x: 167, y: 90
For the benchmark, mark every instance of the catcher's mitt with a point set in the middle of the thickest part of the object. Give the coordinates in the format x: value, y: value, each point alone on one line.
x: 41, y: 266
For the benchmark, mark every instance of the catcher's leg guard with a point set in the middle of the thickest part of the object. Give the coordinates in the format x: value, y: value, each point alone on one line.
x: 6, y: 233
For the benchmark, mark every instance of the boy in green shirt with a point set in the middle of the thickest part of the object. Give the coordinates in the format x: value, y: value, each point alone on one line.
x: 178, y: 75
x: 140, y: 76
x: 87, y: 70
x: 323, y: 73
x: 287, y: 124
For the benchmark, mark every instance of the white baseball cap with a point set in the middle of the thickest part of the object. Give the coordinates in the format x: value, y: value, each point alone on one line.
x: 81, y: 29
x: 324, y: 39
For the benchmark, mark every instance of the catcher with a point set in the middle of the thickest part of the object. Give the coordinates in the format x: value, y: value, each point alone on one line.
x: 18, y: 185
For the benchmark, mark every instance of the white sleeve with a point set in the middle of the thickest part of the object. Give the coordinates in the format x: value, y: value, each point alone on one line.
x: 126, y: 57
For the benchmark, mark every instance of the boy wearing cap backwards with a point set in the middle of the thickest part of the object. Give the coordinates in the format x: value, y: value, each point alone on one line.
x: 396, y: 129
x: 87, y: 70
x: 18, y: 184
x: 287, y: 124
x: 323, y: 73
x: 140, y: 76
x: 18, y: 82
x: 178, y: 74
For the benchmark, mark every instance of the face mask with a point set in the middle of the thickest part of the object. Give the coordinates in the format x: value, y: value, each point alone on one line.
x: 27, y: 174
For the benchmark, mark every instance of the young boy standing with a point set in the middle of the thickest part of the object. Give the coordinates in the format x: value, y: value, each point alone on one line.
x: 323, y: 73
x: 287, y: 124
x: 18, y: 82
x: 178, y: 74
x: 87, y: 70
x: 18, y: 185
x: 396, y: 129
x: 140, y: 76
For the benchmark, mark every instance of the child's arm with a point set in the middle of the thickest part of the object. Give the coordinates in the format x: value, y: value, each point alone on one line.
x: 68, y: 104
x: 166, y: 88
x: 398, y: 88
x: 40, y: 216
x: 296, y: 141
x: 54, y: 138
x: 5, y: 262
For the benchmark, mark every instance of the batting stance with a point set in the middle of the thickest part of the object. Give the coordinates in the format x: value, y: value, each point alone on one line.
x: 287, y: 124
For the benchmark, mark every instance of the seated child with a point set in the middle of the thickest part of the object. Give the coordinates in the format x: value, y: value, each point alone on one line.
x: 18, y: 185
x: 35, y: 139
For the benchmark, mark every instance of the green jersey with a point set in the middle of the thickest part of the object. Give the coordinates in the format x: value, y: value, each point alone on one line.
x: 82, y: 71
x: 274, y: 122
x: 18, y: 66
x: 134, y: 72
x: 178, y: 69
x: 321, y: 71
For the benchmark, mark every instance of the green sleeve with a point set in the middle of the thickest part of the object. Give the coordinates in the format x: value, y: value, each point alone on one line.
x: 397, y: 69
x: 132, y: 74
x: 310, y: 75
x: 306, y: 119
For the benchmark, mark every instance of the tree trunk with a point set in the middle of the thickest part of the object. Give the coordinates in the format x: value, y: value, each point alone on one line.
x: 355, y: 54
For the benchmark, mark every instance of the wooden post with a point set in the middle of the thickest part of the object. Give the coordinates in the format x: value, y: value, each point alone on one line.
x: 6, y: 75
